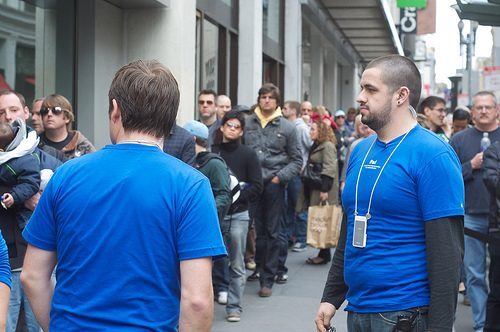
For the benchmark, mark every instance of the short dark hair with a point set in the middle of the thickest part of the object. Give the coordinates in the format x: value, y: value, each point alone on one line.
x: 5, y: 92
x: 272, y: 89
x: 430, y: 102
x: 294, y: 105
x: 148, y: 97
x: 234, y: 115
x: 398, y: 71
x: 461, y: 114
x: 208, y: 92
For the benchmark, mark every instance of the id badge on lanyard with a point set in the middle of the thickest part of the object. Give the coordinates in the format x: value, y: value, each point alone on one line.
x: 359, y: 235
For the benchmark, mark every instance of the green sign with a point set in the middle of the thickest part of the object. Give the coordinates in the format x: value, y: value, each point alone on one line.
x: 412, y: 3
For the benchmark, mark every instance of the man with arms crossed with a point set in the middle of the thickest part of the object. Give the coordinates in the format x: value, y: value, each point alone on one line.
x: 132, y: 252
x: 401, y: 243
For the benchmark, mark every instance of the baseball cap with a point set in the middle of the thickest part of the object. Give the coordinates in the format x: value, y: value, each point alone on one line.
x: 340, y: 113
x: 197, y: 129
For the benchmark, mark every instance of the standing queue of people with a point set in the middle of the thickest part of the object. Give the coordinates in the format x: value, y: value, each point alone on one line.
x: 403, y: 221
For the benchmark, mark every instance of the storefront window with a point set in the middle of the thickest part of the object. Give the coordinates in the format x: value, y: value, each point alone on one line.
x: 209, y: 55
x: 17, y: 47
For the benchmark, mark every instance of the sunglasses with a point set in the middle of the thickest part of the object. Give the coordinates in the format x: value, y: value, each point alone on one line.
x: 209, y: 102
x: 55, y: 110
x: 233, y: 125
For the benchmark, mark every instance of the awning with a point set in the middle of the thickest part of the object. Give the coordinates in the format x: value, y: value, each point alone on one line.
x: 367, y: 25
x: 485, y: 12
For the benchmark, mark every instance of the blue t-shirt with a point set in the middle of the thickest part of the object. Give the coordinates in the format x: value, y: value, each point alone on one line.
x: 422, y: 181
x: 5, y: 274
x: 120, y: 220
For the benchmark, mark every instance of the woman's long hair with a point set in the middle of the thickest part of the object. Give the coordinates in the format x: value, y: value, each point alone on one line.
x: 325, y: 133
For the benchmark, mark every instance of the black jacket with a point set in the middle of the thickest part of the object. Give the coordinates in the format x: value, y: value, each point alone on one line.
x: 244, y: 163
x: 467, y: 144
x: 491, y: 177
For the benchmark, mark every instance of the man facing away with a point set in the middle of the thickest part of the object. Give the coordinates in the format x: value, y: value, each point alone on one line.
x: 467, y: 144
x: 274, y: 139
x: 131, y: 229
x: 401, y: 243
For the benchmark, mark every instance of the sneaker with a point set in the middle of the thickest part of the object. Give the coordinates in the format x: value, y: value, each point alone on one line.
x: 281, y: 278
x: 233, y: 317
x: 254, y: 276
x: 299, y: 247
x: 251, y: 265
x: 265, y: 292
x: 222, y: 298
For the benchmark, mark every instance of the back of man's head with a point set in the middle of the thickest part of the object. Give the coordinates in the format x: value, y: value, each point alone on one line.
x: 398, y: 71
x: 461, y: 114
x: 147, y: 95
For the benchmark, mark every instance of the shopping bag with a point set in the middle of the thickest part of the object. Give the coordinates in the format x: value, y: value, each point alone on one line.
x: 323, y: 225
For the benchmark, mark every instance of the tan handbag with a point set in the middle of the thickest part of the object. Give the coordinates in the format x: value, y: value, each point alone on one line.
x: 323, y: 225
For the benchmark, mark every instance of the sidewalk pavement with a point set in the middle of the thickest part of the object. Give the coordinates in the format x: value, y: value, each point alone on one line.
x: 292, y: 306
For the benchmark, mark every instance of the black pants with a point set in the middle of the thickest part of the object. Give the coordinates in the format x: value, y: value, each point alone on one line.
x: 493, y: 303
x: 267, y: 228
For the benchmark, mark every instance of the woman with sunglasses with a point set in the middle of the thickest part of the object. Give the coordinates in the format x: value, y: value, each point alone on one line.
x: 324, y: 153
x: 57, y: 116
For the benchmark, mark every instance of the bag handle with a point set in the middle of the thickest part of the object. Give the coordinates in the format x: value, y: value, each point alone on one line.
x: 321, y: 203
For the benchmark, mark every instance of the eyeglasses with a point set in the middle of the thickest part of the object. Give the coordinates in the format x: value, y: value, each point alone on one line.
x: 55, y: 110
x: 233, y: 125
x: 439, y: 110
x: 208, y: 102
x: 485, y: 107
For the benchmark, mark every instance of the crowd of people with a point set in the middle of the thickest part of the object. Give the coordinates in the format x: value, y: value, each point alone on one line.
x: 141, y: 240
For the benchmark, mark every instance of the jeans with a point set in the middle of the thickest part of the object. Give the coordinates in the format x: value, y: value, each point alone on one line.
x: 268, y: 228
x: 385, y: 321
x: 475, y: 268
x: 301, y: 227
x: 236, y: 244
x: 291, y: 196
x: 16, y: 297
x: 220, y: 267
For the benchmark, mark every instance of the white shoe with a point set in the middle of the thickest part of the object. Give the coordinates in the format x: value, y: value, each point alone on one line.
x: 222, y: 298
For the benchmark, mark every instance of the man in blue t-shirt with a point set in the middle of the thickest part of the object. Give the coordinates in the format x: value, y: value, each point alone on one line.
x: 401, y: 244
x: 131, y: 229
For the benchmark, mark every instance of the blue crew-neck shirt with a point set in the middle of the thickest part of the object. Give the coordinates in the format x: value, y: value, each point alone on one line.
x: 422, y: 181
x: 121, y: 220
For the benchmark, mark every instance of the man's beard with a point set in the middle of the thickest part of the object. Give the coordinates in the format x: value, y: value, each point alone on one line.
x: 377, y: 121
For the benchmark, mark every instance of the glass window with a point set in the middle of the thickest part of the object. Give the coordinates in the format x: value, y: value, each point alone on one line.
x: 272, y: 17
x: 17, y: 47
x: 209, y: 55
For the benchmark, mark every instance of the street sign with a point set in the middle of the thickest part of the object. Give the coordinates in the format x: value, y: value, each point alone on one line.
x: 491, y: 76
x: 408, y: 21
x: 411, y: 3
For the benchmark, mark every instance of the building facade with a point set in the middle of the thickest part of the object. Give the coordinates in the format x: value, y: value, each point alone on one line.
x: 312, y: 49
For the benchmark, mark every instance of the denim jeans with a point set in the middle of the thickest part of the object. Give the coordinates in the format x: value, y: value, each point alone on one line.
x: 17, y: 297
x: 267, y: 228
x: 475, y: 268
x: 301, y: 227
x: 236, y: 244
x: 385, y: 321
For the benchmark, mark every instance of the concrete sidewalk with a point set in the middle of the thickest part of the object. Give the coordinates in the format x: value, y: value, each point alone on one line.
x: 292, y: 306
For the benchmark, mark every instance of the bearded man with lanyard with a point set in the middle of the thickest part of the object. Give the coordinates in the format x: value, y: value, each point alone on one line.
x: 401, y: 244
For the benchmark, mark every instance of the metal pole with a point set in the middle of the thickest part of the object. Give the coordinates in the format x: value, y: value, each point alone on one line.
x: 469, y: 67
